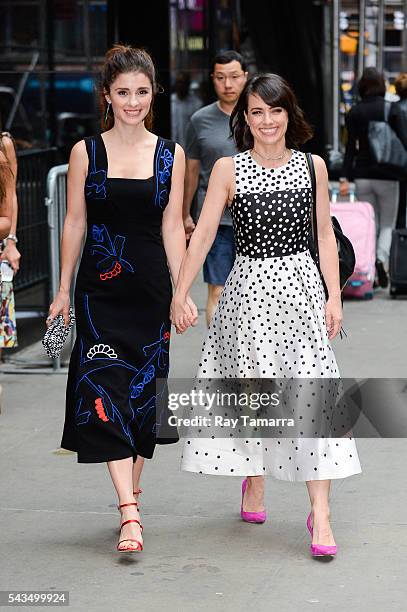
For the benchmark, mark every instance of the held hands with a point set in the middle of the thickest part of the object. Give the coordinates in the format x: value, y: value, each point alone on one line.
x: 60, y: 305
x: 183, y: 313
x: 189, y: 226
x: 333, y: 316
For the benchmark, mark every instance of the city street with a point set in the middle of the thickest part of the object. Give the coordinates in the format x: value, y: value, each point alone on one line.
x: 59, y: 520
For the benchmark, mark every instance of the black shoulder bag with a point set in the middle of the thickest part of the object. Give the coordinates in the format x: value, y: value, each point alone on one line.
x: 346, y: 253
x: 386, y: 148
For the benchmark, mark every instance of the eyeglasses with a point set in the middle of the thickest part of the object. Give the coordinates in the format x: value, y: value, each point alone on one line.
x: 234, y: 78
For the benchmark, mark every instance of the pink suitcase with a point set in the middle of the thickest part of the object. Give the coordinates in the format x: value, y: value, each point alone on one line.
x: 357, y: 221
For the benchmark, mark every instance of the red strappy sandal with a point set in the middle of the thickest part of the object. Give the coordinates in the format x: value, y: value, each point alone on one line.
x: 136, y: 492
x: 139, y: 546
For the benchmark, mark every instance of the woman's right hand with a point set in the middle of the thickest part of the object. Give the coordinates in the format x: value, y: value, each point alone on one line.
x: 60, y: 305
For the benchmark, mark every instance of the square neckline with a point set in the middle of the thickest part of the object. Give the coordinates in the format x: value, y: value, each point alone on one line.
x: 121, y: 178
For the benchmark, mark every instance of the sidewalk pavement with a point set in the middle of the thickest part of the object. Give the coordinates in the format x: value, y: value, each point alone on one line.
x: 58, y: 519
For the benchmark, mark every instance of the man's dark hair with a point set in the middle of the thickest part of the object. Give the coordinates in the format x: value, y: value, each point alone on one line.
x: 226, y: 57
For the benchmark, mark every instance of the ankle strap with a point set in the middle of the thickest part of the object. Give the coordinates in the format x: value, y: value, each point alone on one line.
x: 137, y: 491
x: 132, y: 521
x: 125, y: 505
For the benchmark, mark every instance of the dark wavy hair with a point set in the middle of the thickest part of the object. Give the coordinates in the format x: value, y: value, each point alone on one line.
x: 119, y: 60
x: 274, y: 91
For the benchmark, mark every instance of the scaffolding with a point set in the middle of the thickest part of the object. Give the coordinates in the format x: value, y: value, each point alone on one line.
x: 363, y: 33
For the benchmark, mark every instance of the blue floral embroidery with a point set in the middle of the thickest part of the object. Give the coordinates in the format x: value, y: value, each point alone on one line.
x: 95, y: 183
x: 97, y: 233
x: 112, y: 252
x: 156, y: 365
x: 165, y: 160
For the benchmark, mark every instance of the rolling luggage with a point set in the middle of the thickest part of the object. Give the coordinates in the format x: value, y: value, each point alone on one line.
x: 357, y: 220
x: 398, y: 263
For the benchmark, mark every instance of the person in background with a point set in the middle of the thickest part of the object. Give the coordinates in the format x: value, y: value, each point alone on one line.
x: 398, y: 121
x: 208, y: 138
x: 9, y: 256
x: 371, y: 184
x: 184, y: 103
x: 6, y: 196
x: 6, y: 200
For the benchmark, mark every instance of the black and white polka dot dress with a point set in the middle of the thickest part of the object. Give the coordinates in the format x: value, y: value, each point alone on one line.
x: 270, y: 323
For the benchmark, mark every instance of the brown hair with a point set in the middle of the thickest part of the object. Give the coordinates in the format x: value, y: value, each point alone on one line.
x: 119, y: 60
x: 401, y: 85
x: 6, y: 177
x: 274, y: 91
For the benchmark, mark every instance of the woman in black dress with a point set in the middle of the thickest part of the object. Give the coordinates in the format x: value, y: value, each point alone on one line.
x: 126, y: 187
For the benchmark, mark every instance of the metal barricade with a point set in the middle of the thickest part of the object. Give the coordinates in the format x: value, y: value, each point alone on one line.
x: 33, y: 167
x: 56, y: 203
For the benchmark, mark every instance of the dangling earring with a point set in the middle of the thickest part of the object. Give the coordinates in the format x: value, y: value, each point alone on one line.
x: 107, y: 112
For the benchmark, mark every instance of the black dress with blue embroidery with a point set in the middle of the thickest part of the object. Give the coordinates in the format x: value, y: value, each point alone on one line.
x: 116, y: 397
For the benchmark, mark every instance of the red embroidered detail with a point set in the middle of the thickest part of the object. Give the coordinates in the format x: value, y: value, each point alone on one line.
x: 166, y: 336
x: 100, y: 409
x: 113, y: 272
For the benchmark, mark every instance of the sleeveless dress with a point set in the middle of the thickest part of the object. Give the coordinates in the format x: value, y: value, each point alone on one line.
x: 119, y: 364
x: 270, y: 323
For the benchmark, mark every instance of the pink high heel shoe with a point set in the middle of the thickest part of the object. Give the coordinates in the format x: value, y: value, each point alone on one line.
x: 320, y: 550
x: 251, y: 517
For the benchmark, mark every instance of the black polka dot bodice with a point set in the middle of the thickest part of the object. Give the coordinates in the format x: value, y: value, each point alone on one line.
x: 271, y: 210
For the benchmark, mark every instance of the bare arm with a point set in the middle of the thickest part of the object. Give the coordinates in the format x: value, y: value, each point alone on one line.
x: 328, y: 252
x: 220, y: 191
x: 172, y: 227
x: 6, y: 203
x: 191, y: 185
x: 74, y: 228
x: 10, y: 252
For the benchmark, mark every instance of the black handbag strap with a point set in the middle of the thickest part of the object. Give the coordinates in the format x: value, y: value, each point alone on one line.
x: 314, y: 223
x: 387, y: 106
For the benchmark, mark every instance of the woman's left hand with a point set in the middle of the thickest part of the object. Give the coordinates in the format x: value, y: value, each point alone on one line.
x: 333, y: 316
x: 183, y: 313
x: 11, y: 254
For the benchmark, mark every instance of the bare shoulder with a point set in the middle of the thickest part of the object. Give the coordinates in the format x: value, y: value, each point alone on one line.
x: 222, y: 174
x: 179, y: 152
x: 320, y: 167
x: 224, y: 166
x: 79, y: 150
x: 78, y: 159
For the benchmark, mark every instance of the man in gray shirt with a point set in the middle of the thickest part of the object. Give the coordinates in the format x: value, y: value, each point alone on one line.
x: 208, y: 139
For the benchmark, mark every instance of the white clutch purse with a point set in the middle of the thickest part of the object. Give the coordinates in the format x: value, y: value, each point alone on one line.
x: 56, y: 335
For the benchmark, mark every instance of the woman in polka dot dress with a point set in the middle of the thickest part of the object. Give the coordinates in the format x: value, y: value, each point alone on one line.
x: 272, y: 320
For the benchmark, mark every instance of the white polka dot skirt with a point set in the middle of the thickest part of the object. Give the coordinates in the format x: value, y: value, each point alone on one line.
x: 270, y: 323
